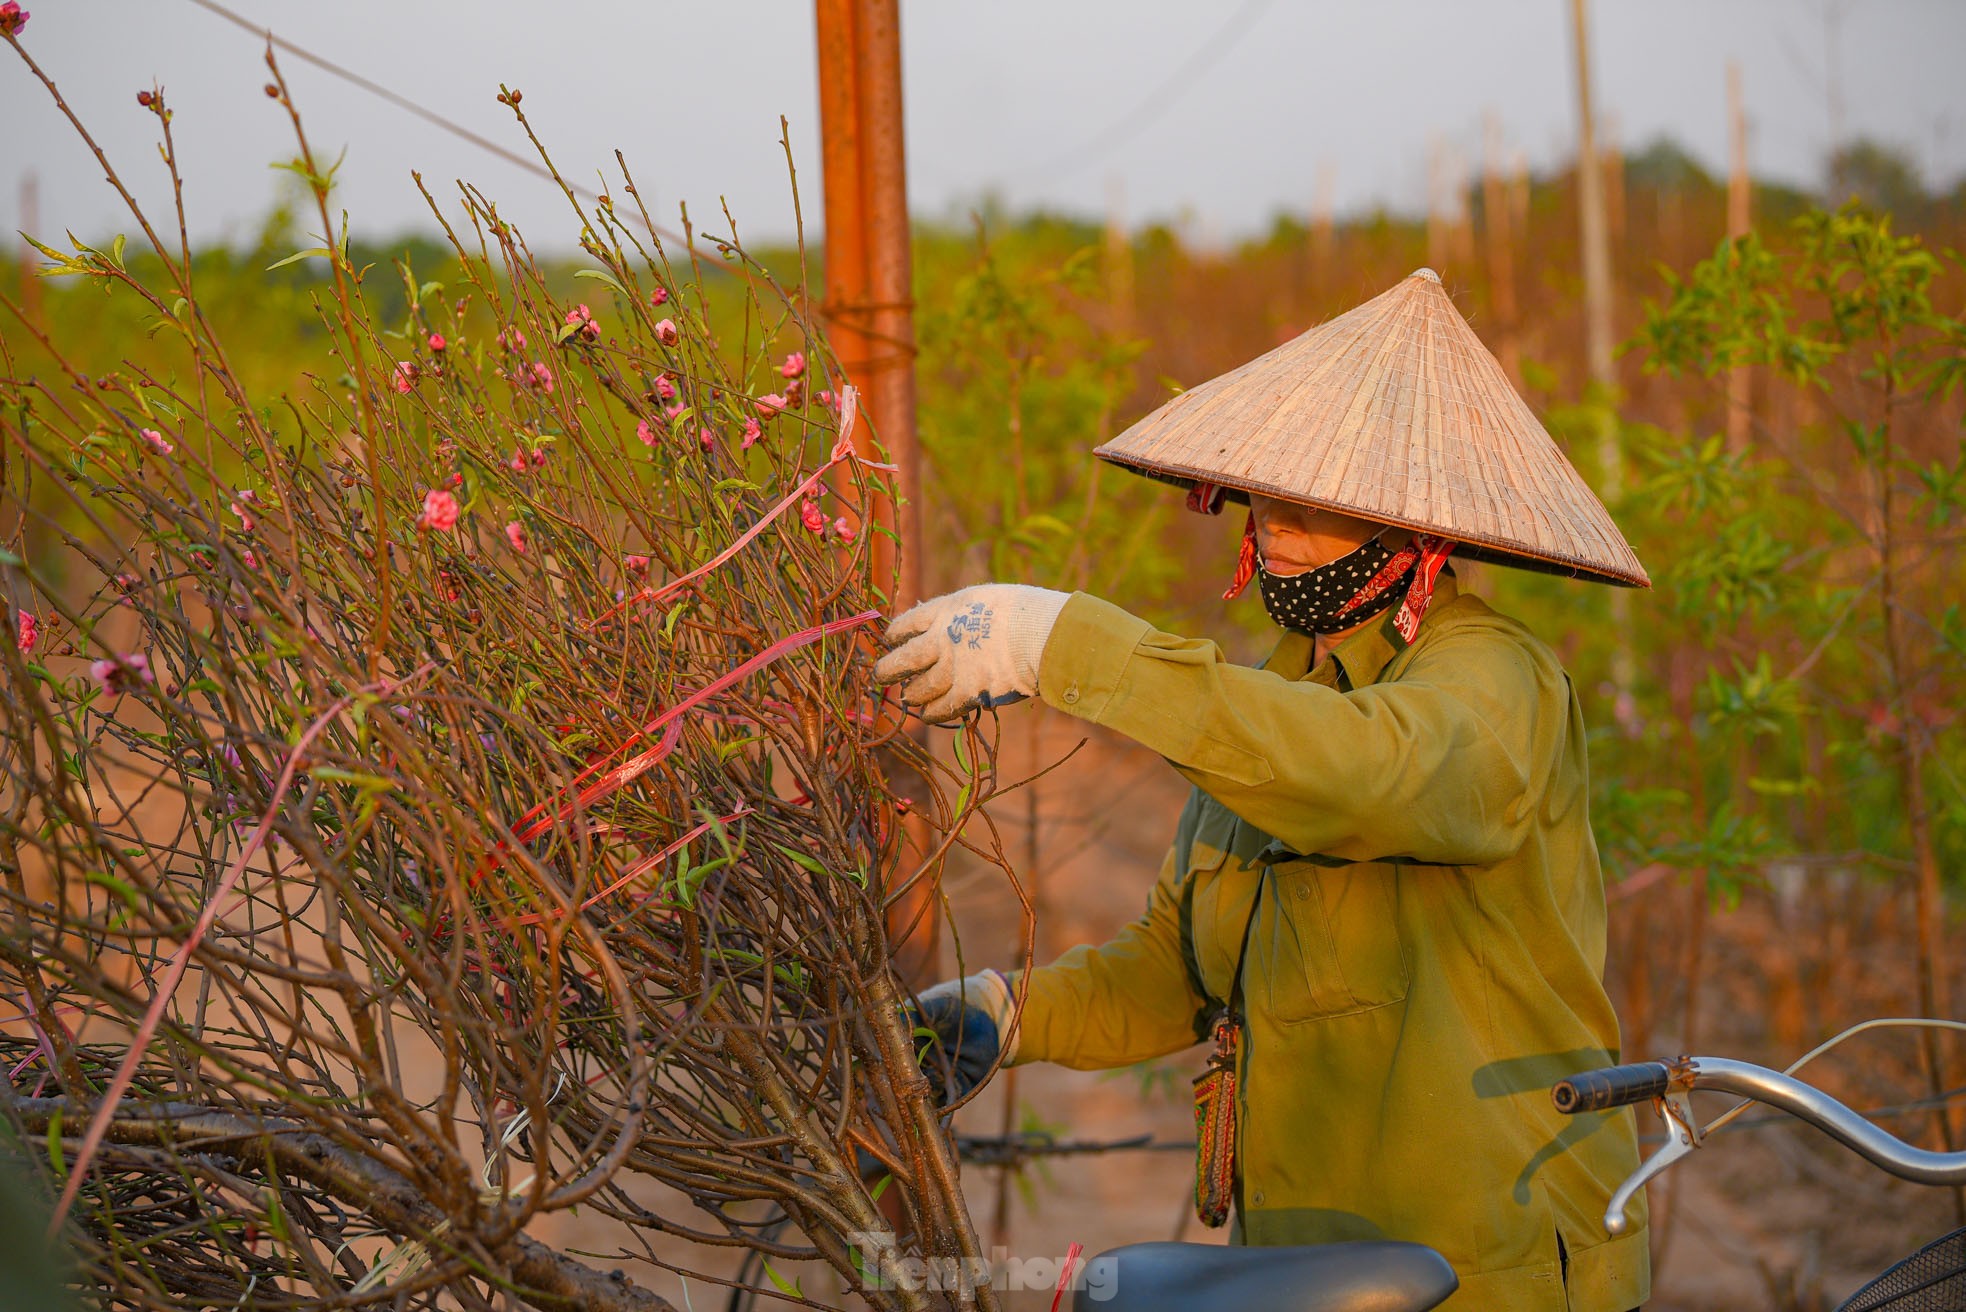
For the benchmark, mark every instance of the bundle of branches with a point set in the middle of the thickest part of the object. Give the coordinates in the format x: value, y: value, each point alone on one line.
x: 454, y: 793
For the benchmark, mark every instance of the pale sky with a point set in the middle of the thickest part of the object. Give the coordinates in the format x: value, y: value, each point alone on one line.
x: 1245, y: 103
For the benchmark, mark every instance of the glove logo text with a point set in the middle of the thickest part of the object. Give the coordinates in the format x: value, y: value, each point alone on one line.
x: 971, y: 626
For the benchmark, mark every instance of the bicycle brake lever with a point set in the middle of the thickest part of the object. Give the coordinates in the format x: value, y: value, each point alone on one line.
x: 1682, y: 1137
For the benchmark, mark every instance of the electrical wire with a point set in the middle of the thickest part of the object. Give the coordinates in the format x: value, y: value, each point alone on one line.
x: 428, y: 115
x: 1158, y: 101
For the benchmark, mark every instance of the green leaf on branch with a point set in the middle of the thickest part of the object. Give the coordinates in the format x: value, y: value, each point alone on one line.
x: 804, y: 859
x: 789, y: 1288
x: 598, y: 276
x: 312, y: 252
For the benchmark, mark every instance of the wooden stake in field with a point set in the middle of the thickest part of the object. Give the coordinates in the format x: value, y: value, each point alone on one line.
x: 1496, y: 207
x: 1596, y: 241
x: 1611, y: 159
x: 1322, y: 245
x: 1460, y: 215
x: 1437, y: 219
x: 869, y: 311
x: 1596, y: 236
x: 1119, y: 256
x: 1739, y: 219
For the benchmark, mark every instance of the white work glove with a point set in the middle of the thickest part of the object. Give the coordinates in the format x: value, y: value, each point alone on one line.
x: 977, y: 646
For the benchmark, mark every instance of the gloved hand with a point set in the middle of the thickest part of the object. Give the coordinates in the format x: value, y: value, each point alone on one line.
x: 977, y: 646
x: 971, y: 1020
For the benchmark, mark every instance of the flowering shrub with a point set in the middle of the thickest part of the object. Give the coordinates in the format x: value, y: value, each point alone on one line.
x: 379, y: 885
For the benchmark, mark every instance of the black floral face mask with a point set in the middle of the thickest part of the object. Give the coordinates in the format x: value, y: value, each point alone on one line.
x: 1330, y: 597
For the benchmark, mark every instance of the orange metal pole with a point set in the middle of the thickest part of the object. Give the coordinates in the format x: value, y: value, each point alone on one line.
x: 869, y: 313
x: 840, y: 161
x: 890, y: 269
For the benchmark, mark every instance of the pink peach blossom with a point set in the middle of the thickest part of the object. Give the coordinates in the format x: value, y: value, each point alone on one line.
x: 12, y: 17
x: 665, y: 388
x: 636, y: 564
x: 659, y: 297
x: 439, y: 511
x: 29, y: 632
x: 707, y: 438
x: 437, y: 342
x: 246, y: 521
x: 515, y: 533
x: 667, y: 333
x: 769, y: 404
x: 584, y: 318
x: 541, y: 378
x: 158, y: 442
x: 120, y: 674
x: 810, y: 515
x: 644, y: 432
x: 517, y: 464
x: 753, y: 430
x: 674, y: 411
x: 844, y: 531
x: 795, y: 364
x: 405, y: 375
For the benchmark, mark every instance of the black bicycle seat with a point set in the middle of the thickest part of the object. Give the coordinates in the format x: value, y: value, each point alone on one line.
x: 1357, y: 1277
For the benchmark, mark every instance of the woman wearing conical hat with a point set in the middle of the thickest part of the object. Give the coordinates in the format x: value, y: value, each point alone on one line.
x: 1382, y: 904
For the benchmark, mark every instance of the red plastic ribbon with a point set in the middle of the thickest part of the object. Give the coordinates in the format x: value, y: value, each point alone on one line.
x: 119, y: 1084
x: 1065, y: 1274
x: 643, y: 866
x: 537, y: 820
x: 842, y: 450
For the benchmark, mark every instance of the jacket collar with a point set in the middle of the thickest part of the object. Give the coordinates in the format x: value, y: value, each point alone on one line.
x: 1360, y: 658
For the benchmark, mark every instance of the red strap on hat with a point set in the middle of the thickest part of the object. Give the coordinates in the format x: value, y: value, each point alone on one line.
x: 1429, y: 553
x: 1434, y: 552
x: 1245, y: 560
x: 1206, y: 498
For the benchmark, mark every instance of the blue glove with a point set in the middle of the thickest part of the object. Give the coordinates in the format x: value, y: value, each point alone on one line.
x: 970, y: 1018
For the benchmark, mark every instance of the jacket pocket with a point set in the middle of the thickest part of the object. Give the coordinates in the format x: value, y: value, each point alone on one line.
x: 1335, y: 941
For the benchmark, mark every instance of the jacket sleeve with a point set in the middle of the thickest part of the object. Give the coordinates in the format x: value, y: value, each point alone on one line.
x: 1126, y: 1001
x: 1442, y: 765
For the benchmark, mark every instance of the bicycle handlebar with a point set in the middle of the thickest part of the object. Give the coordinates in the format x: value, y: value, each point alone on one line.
x: 1808, y: 1103
x: 1613, y: 1086
x: 1617, y: 1085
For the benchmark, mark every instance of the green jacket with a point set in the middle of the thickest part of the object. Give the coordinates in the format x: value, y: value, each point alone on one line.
x: 1428, y: 956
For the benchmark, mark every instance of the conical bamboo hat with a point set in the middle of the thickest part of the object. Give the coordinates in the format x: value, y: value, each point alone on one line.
x: 1394, y: 412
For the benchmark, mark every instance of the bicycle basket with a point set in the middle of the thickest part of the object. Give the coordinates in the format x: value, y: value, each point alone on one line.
x: 1931, y: 1280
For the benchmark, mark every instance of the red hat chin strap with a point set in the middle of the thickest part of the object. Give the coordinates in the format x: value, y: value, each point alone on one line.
x: 1434, y: 552
x: 1425, y: 556
x: 1245, y: 560
x: 1206, y: 498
